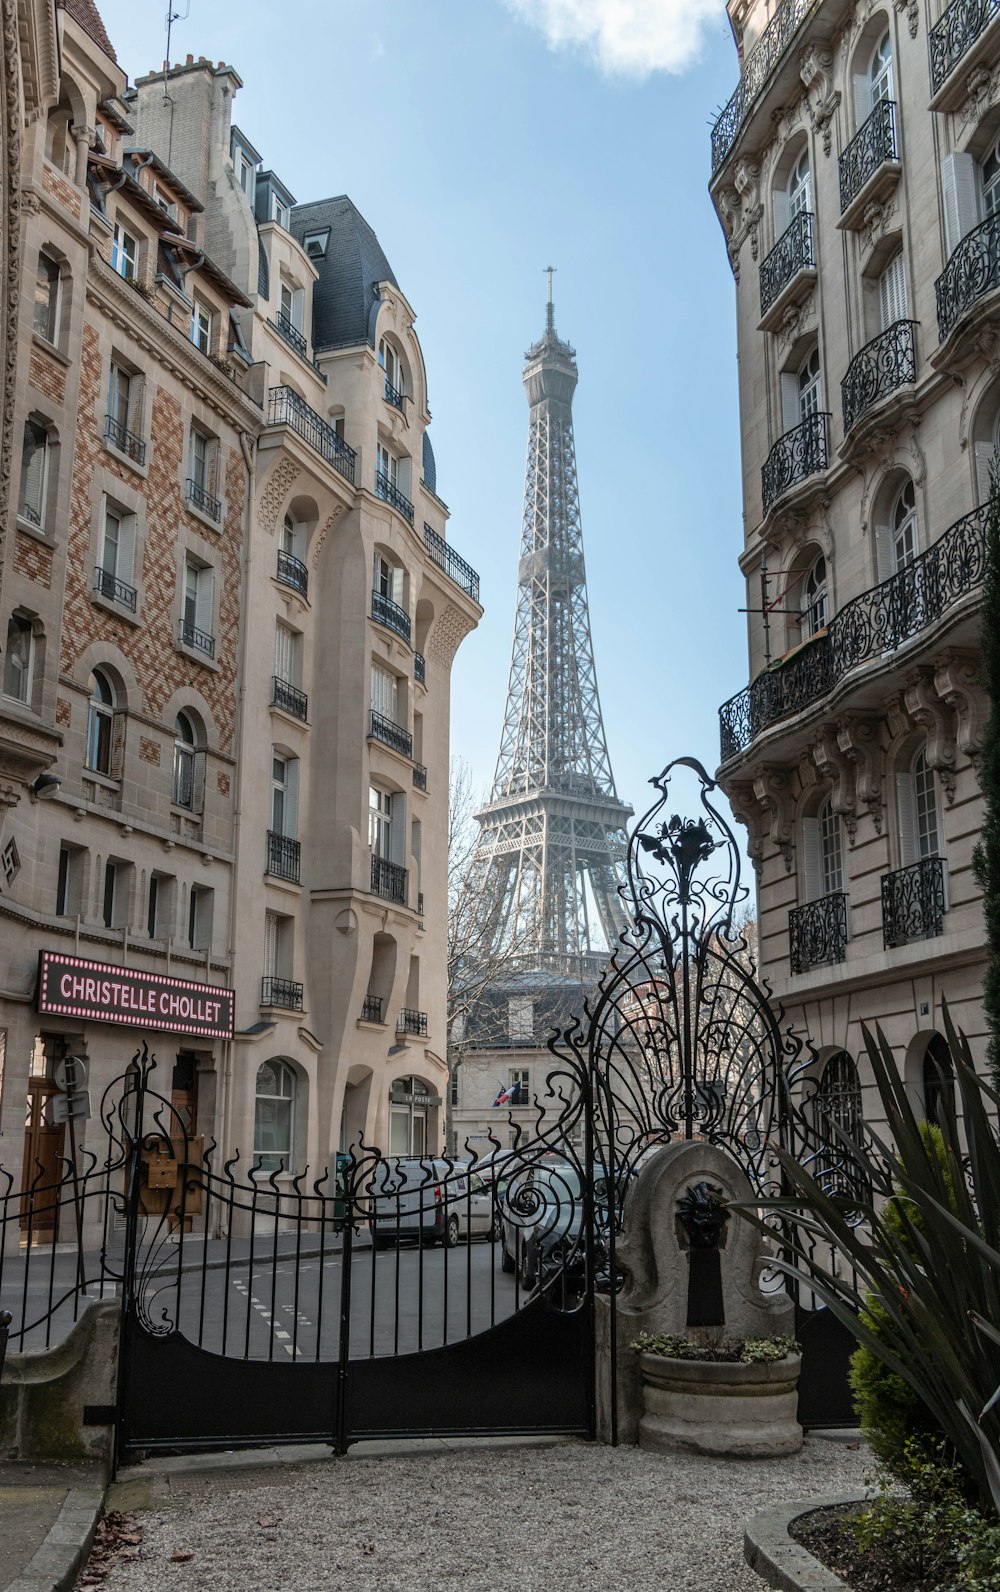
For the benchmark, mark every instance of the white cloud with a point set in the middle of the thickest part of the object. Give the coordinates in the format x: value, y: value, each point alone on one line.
x: 627, y: 38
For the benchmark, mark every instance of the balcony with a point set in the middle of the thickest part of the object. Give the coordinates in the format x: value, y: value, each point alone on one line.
x: 454, y: 567
x: 199, y: 640
x: 869, y: 166
x: 284, y: 856
x: 788, y: 269
x: 972, y: 272
x: 283, y: 992
x: 419, y: 668
x: 117, y: 591
x: 292, y: 572
x: 389, y: 492
x: 371, y: 1009
x: 757, y: 71
x: 411, y: 1022
x: 871, y: 626
x: 952, y: 39
x: 391, y: 734
x: 393, y: 395
x: 817, y: 933
x: 389, y: 880
x: 203, y: 501
x: 913, y: 902
x: 885, y: 364
x: 286, y: 408
x: 124, y: 440
x: 289, y: 698
x: 386, y: 612
x: 796, y: 456
x: 420, y: 776
x: 291, y: 334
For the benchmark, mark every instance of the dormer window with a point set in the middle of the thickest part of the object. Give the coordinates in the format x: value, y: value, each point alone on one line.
x: 202, y: 326
x: 315, y: 243
x: 124, y: 253
x: 246, y: 173
x: 280, y: 211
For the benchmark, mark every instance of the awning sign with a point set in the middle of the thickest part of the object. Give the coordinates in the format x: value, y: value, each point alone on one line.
x: 70, y: 986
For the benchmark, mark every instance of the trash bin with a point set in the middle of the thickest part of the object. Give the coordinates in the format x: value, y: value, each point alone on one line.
x: 339, y: 1197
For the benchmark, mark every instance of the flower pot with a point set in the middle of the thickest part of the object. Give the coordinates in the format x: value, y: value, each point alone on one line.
x: 713, y: 1407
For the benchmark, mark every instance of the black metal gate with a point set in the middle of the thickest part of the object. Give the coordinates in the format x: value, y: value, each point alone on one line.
x: 436, y: 1297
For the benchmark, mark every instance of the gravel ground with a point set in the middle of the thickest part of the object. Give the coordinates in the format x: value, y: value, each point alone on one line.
x: 575, y: 1516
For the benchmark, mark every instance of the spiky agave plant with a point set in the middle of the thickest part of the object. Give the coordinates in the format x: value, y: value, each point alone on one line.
x: 934, y: 1267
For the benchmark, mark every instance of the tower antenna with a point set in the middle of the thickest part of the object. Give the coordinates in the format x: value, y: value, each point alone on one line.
x: 172, y: 17
x: 550, y: 322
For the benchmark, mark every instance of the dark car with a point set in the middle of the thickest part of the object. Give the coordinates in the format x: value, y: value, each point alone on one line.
x: 542, y: 1219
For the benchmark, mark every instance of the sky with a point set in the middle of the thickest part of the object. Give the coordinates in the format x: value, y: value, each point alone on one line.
x: 484, y: 140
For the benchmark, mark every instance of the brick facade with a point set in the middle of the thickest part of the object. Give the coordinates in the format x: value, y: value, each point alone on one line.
x: 33, y: 559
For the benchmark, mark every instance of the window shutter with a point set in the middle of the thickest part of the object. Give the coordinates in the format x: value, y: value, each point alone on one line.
x: 790, y: 416
x: 33, y: 470
x: 126, y: 547
x: 985, y: 456
x: 203, y: 602
x: 284, y: 654
x: 862, y: 98
x: 291, y: 823
x: 812, y: 860
x: 397, y: 587
x: 119, y: 720
x: 883, y: 552
x: 781, y: 219
x: 270, y: 945
x: 892, y: 292
x: 906, y: 819
x: 960, y: 190
x: 198, y: 782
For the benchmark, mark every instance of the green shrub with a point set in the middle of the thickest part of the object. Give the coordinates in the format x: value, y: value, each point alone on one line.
x: 742, y: 1351
x: 939, y: 1538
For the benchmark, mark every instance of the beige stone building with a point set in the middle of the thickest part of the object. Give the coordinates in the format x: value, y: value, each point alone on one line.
x: 856, y: 173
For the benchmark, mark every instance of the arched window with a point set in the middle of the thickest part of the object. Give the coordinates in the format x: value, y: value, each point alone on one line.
x: 918, y: 812
x: 292, y: 538
x: 185, y: 741
x: 100, y: 723
x: 274, y: 1116
x: 896, y: 538
x: 838, y: 1109
x: 880, y: 72
x: 45, y: 319
x: 823, y: 854
x: 938, y: 1080
x: 799, y: 188
x: 391, y: 363
x: 814, y: 599
x: 19, y: 658
x: 809, y: 385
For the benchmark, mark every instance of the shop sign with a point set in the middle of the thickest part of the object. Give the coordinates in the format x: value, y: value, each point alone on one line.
x: 71, y: 986
x: 408, y: 1097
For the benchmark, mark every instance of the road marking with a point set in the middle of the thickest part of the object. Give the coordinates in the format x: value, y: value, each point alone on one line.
x: 265, y: 1315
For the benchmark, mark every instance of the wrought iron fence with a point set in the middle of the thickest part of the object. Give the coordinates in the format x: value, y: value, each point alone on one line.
x: 117, y: 591
x: 794, y: 457
x: 420, y: 776
x: 200, y: 498
x: 284, y: 856
x: 792, y: 253
x: 292, y: 572
x: 291, y: 334
x: 757, y: 69
x: 972, y: 271
x: 888, y: 362
x: 389, y: 880
x: 877, y: 622
x: 419, y: 668
x: 388, y: 613
x: 412, y: 1022
x: 289, y: 698
x: 199, y: 640
x: 872, y: 145
x: 444, y: 555
x: 391, y: 734
x: 286, y: 408
x: 393, y: 395
x: 371, y: 1009
x: 817, y: 932
x: 283, y: 992
x: 124, y: 440
x: 955, y: 33
x: 389, y: 492
x: 913, y: 902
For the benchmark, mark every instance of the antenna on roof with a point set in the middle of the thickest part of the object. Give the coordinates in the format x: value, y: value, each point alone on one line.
x: 172, y: 17
x: 550, y: 314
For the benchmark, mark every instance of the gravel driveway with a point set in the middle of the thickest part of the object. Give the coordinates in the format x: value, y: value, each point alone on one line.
x: 576, y: 1515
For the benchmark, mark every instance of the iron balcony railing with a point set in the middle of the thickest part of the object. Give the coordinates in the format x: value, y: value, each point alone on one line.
x: 411, y: 1022
x: 420, y: 902
x: 291, y: 334
x: 200, y: 640
x: 118, y: 591
x: 817, y: 932
x: 872, y: 145
x: 956, y: 32
x: 445, y: 557
x: 289, y: 698
x: 972, y: 272
x: 888, y: 362
x: 420, y: 776
x: 388, y: 613
x: 292, y: 572
x: 383, y: 729
x: 286, y: 408
x: 794, y: 457
x: 124, y: 440
x: 757, y: 69
x: 870, y: 626
x: 913, y: 903
x: 199, y: 498
x: 284, y: 856
x: 419, y: 668
x: 371, y: 1009
x: 792, y: 253
x: 389, y: 880
x: 393, y: 395
x: 284, y: 992
x: 389, y: 492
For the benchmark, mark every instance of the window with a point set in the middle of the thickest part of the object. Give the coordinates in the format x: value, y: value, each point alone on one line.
x: 315, y: 243
x: 200, y: 917
x: 34, y: 472
x: 838, y: 1108
x: 388, y: 580
x: 520, y: 1086
x: 385, y: 693
x: 278, y: 937
x: 279, y: 211
x: 520, y: 1018
x: 203, y: 327
x: 69, y: 881
x: 62, y: 883
x: 917, y: 812
x: 117, y: 547
x: 292, y: 302
x: 119, y: 401
x: 110, y: 901
x: 19, y: 658
x: 292, y: 538
x: 391, y: 364
x: 892, y: 293
x: 153, y: 908
x: 287, y: 654
x: 822, y: 851
x: 274, y: 1116
x: 809, y: 387
x: 814, y: 599
x: 380, y: 833
x: 796, y: 197
x: 880, y: 73
x: 197, y: 605
x: 182, y: 782
x: 45, y: 320
x: 990, y: 178
x: 904, y: 528
x: 124, y: 253
x: 938, y: 1081
x: 284, y: 795
x: 246, y: 172
x: 100, y: 723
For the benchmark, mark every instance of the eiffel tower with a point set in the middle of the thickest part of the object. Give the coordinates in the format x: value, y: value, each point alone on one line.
x: 550, y: 853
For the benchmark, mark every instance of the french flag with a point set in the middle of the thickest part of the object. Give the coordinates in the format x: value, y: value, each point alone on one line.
x: 505, y: 1096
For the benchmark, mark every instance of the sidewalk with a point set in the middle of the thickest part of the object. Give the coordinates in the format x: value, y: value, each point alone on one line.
x: 48, y: 1515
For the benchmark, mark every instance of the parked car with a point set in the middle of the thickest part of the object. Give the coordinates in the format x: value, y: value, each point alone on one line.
x: 478, y: 1211
x: 417, y: 1198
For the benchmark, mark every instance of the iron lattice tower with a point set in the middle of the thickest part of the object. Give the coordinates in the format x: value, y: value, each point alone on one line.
x: 552, y: 844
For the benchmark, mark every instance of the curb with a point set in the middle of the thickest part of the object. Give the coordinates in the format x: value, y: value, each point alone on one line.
x: 56, y: 1564
x: 783, y: 1563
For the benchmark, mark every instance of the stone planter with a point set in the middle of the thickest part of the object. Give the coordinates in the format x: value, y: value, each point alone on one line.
x: 712, y: 1407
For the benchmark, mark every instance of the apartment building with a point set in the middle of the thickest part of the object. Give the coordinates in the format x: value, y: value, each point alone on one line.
x: 856, y: 174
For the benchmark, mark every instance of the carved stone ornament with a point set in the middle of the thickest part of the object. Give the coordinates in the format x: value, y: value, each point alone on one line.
x: 982, y: 88
x: 727, y: 202
x: 748, y: 812
x: 926, y: 708
x: 912, y: 9
x: 885, y: 449
x: 816, y: 72
x: 875, y: 220
x: 322, y: 535
x: 773, y: 789
x: 838, y: 771
x: 276, y: 489
x: 797, y: 319
x: 859, y: 741
x: 958, y: 684
x: 747, y: 179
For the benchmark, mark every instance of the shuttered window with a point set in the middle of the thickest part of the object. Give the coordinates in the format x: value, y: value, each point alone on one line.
x: 385, y: 693
x: 831, y: 849
x: 925, y: 808
x: 960, y: 191
x: 892, y: 292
